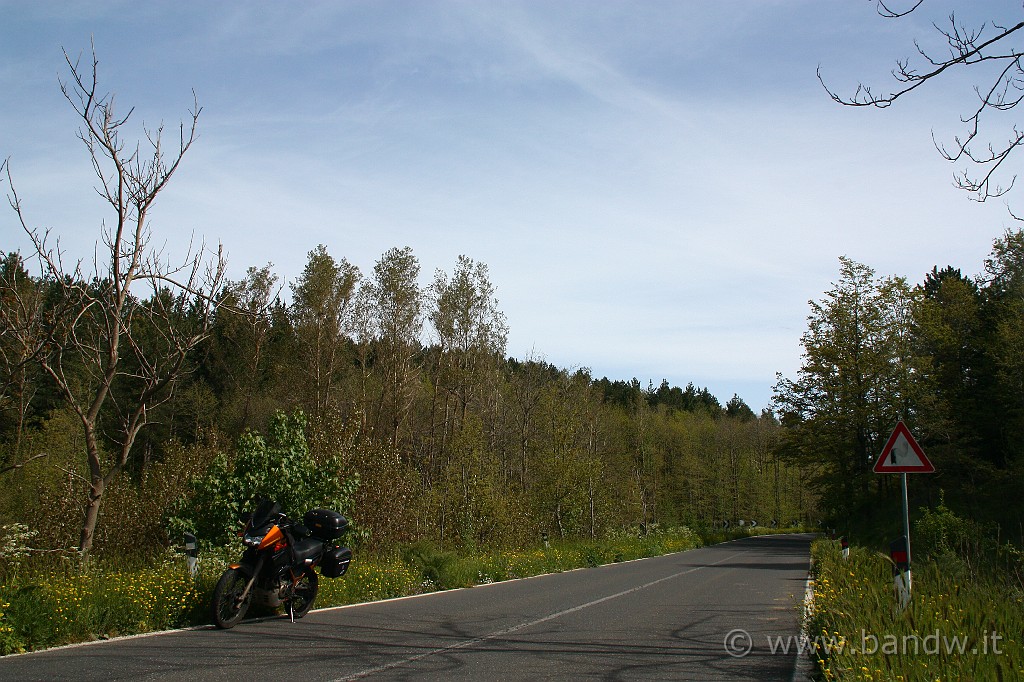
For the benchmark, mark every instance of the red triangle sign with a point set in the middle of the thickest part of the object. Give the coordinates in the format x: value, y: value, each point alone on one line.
x: 902, y: 455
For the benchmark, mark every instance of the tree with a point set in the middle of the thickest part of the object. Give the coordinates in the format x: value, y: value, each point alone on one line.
x: 470, y: 328
x: 560, y: 489
x: 1004, y: 309
x: 322, y: 303
x: 992, y: 50
x: 240, y: 356
x: 948, y: 331
x: 471, y: 334
x: 397, y: 305
x: 526, y: 384
x: 113, y: 357
x: 20, y: 301
x: 739, y: 409
x: 853, y: 384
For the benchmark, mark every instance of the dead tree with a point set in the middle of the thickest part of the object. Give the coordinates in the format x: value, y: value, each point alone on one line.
x: 993, y: 51
x: 110, y: 353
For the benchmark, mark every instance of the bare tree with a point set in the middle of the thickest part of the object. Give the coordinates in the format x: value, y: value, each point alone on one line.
x: 992, y: 51
x: 112, y: 356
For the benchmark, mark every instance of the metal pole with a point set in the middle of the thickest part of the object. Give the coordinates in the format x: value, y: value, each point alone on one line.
x: 906, y: 524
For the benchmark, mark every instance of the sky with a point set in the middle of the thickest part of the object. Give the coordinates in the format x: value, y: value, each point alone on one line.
x: 657, y: 188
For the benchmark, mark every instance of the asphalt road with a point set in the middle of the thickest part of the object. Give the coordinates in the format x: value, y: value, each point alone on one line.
x: 666, y: 618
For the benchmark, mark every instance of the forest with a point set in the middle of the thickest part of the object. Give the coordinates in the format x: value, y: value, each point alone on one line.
x: 392, y: 401
x: 397, y: 403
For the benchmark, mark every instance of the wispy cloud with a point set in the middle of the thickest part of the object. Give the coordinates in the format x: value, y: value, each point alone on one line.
x: 657, y: 188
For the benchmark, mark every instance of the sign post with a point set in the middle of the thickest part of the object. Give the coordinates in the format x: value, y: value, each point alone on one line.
x: 902, y: 455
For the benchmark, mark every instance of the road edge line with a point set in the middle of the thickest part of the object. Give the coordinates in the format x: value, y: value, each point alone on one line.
x: 803, y: 666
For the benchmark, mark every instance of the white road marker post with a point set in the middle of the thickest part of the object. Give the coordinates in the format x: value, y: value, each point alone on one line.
x: 191, y: 553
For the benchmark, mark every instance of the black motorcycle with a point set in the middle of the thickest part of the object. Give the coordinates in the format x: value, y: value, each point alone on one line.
x: 277, y: 566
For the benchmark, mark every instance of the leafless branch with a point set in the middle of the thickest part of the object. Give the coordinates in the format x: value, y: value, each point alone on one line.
x: 14, y: 467
x: 885, y: 11
x: 966, y: 53
x: 967, y: 47
x: 71, y: 474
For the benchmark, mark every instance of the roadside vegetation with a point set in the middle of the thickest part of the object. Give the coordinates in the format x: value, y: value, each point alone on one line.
x: 963, y: 622
x: 946, y: 357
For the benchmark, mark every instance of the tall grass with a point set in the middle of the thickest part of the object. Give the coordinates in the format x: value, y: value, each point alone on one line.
x: 952, y: 629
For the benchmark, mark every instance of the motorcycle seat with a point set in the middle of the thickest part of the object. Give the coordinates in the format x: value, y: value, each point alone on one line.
x: 307, y: 548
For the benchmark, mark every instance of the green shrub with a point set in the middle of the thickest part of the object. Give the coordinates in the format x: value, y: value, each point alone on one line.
x: 10, y: 643
x: 370, y: 580
x: 279, y: 468
x: 74, y: 605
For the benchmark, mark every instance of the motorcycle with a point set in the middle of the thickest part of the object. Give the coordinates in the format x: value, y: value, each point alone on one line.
x: 278, y: 565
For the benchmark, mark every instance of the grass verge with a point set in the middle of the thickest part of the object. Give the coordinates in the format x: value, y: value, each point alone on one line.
x: 952, y: 629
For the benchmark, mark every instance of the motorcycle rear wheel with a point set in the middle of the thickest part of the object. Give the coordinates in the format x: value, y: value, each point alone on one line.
x: 304, y: 593
x: 227, y: 607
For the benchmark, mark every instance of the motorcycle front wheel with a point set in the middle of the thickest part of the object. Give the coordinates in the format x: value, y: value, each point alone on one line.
x: 304, y: 593
x: 227, y: 606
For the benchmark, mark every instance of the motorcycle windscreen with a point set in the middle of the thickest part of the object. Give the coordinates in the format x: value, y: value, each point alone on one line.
x: 265, y: 511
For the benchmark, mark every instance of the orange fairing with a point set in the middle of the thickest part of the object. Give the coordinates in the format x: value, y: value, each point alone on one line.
x: 274, y: 536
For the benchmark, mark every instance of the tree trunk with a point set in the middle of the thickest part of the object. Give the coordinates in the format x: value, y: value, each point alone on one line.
x: 92, y: 515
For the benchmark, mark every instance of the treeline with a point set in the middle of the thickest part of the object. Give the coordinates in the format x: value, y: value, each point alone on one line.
x: 404, y: 391
x: 947, y: 357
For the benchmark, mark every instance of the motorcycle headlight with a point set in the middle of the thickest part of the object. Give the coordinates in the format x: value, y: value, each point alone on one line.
x: 252, y: 540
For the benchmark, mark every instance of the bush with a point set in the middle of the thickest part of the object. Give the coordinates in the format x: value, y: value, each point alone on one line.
x: 279, y: 468
x: 10, y: 643
x: 941, y: 532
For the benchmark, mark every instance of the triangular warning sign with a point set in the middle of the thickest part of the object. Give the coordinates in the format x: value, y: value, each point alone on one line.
x: 902, y: 455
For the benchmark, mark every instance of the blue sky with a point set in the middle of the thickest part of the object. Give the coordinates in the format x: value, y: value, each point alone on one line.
x: 658, y: 188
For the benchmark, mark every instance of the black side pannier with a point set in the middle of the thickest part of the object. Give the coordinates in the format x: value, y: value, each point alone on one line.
x: 325, y: 524
x: 335, y: 562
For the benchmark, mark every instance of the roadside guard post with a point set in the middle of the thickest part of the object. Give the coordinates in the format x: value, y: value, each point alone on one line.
x: 191, y: 553
x: 899, y: 552
x: 844, y: 544
x: 902, y: 455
